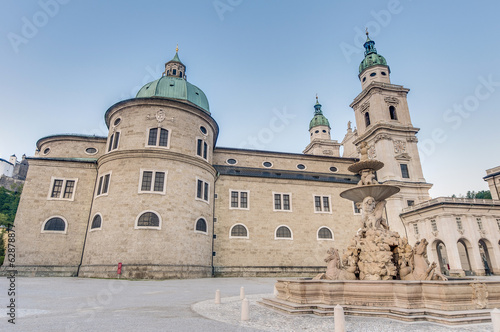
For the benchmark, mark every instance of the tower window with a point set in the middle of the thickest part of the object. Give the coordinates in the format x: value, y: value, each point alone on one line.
x: 202, y: 149
x: 383, y: 73
x: 174, y: 71
x: 180, y: 74
x: 201, y: 225
x: 317, y: 131
x: 392, y: 113
x: 55, y: 224
x: 364, y: 79
x: 324, y: 131
x: 404, y: 171
x: 158, y: 137
x: 96, y: 222
x: 367, y: 119
x: 373, y: 74
x: 148, y: 220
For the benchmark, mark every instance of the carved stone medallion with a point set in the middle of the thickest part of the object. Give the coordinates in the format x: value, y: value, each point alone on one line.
x: 399, y: 147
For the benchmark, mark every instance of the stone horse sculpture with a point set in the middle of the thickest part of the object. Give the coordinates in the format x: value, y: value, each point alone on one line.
x: 420, y: 267
x: 334, y: 270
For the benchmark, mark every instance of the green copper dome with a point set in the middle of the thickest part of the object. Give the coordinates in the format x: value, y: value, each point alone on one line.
x: 371, y: 56
x: 175, y: 88
x: 319, y: 119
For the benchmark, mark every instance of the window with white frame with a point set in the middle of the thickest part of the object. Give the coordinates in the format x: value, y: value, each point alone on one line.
x: 282, y: 202
x: 434, y: 225
x: 113, y: 141
x: 62, y: 189
x: 238, y: 231
x: 152, y: 181
x: 415, y: 228
x: 202, y: 190
x: 479, y: 224
x: 356, y: 208
x: 158, y: 137
x: 103, y: 184
x: 404, y: 171
x: 148, y: 220
x: 283, y: 232
x: 96, y: 222
x: 202, y: 148
x: 322, y: 204
x: 55, y: 224
x: 458, y: 220
x: 325, y: 233
x: 239, y: 199
x: 201, y: 225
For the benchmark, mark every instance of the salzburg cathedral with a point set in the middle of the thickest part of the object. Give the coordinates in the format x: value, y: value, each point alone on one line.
x: 157, y: 198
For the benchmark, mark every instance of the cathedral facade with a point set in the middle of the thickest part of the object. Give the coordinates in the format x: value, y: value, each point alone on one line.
x: 157, y: 198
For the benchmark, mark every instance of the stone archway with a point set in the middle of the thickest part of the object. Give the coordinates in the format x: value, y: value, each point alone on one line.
x: 486, y: 253
x: 440, y: 248
x: 463, y: 252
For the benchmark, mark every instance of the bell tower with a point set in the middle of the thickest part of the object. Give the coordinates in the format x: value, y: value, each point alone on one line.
x: 383, y: 122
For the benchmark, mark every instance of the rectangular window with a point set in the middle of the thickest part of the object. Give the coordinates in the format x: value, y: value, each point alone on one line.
x: 459, y: 223
x: 322, y: 204
x: 103, y: 184
x: 63, y: 189
x: 202, y: 149
x: 404, y: 171
x: 498, y: 224
x: 410, y: 202
x: 434, y: 225
x: 158, y: 137
x: 282, y: 202
x: 202, y: 190
x: 239, y: 199
x: 479, y: 224
x: 56, y: 188
x: 68, y: 189
x: 153, y: 133
x: 113, y: 141
x: 356, y: 208
x: 415, y: 228
x: 152, y: 182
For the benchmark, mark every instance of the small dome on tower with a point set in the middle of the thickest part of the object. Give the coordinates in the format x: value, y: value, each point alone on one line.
x: 371, y: 56
x: 319, y: 119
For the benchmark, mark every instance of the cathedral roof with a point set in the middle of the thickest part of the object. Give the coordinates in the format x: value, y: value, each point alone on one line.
x: 175, y: 88
x: 372, y: 58
x: 319, y: 119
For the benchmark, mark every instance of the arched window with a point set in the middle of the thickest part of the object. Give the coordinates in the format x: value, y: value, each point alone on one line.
x: 392, y: 113
x: 367, y: 119
x: 239, y: 230
x: 148, y: 220
x: 55, y: 224
x: 180, y: 74
x: 324, y: 233
x: 174, y: 72
x: 283, y: 232
x: 96, y: 222
x: 201, y: 225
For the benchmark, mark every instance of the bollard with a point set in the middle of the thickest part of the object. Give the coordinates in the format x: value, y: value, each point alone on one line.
x: 338, y: 313
x: 242, y: 293
x: 217, y: 297
x: 495, y: 319
x: 245, y: 310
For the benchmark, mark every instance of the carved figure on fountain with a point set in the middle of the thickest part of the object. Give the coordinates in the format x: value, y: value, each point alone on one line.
x: 367, y: 177
x: 421, y: 267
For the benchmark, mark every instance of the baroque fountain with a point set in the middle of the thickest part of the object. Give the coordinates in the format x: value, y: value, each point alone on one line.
x: 381, y: 275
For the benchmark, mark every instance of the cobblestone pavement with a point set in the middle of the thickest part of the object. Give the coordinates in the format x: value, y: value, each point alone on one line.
x: 81, y: 304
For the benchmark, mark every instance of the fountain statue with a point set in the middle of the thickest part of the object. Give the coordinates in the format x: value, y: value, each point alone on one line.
x: 376, y: 252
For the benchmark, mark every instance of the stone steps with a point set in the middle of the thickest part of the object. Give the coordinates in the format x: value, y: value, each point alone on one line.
x: 408, y: 315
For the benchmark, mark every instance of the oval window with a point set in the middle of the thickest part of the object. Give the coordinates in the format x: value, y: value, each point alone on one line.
x: 91, y: 150
x: 317, y: 131
x: 301, y: 166
x: 383, y: 73
x: 117, y: 121
x: 324, y: 131
x: 203, y: 130
x: 267, y: 164
x: 46, y: 151
x: 231, y: 161
x: 333, y: 169
x: 373, y: 74
x: 364, y: 79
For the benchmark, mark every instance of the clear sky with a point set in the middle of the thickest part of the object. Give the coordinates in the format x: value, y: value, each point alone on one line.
x: 63, y: 63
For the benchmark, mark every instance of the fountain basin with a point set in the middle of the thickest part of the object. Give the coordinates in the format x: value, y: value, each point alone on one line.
x: 446, y: 302
x: 371, y: 164
x: 378, y: 191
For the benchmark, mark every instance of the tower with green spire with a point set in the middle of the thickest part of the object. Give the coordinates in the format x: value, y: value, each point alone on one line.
x: 175, y: 67
x: 319, y: 130
x: 374, y: 66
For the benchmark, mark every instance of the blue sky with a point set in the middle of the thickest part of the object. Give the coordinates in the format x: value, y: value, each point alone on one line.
x: 64, y: 63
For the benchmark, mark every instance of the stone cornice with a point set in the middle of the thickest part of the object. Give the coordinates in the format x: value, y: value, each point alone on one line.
x: 67, y: 162
x: 387, y: 128
x: 70, y: 137
x: 156, y: 154
x: 377, y: 85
